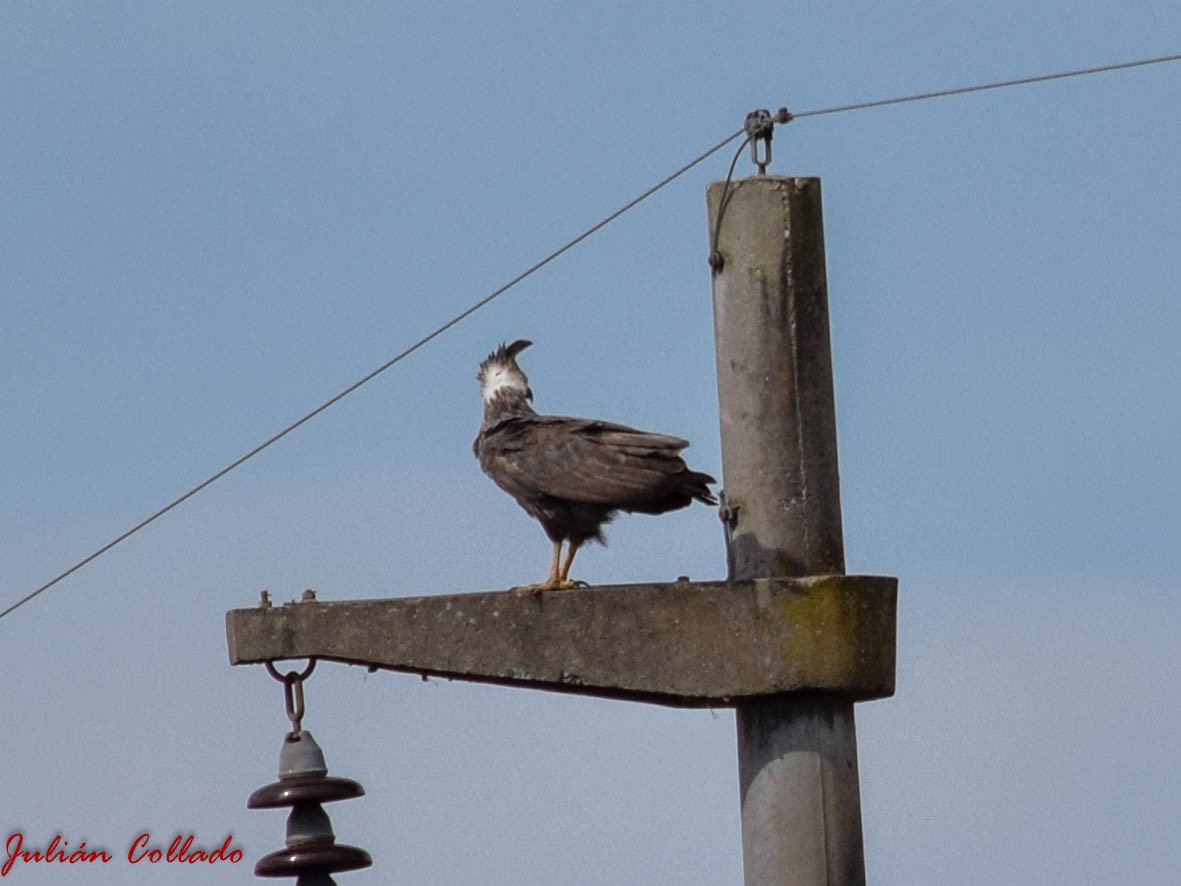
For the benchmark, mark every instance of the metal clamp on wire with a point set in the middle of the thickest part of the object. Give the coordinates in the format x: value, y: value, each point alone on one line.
x: 760, y: 126
x: 293, y: 694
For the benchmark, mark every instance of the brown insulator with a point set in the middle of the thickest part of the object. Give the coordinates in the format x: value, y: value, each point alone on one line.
x: 312, y: 853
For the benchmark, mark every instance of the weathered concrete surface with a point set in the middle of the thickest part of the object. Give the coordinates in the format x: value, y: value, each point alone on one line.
x: 797, y: 769
x: 797, y: 753
x: 687, y: 644
x: 775, y: 389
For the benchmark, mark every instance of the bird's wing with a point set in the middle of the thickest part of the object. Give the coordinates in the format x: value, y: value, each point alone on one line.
x: 582, y: 460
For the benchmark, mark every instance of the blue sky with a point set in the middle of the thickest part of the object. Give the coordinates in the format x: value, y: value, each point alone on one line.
x: 215, y: 216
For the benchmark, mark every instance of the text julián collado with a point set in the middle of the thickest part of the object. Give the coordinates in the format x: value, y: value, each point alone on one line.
x: 143, y: 850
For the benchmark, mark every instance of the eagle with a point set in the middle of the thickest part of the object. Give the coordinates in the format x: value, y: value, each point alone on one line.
x: 573, y: 474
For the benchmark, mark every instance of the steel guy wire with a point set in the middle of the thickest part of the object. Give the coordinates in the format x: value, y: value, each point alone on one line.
x: 397, y: 358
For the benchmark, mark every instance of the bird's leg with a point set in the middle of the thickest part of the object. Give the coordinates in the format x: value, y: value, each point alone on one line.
x: 564, y: 577
x: 553, y: 581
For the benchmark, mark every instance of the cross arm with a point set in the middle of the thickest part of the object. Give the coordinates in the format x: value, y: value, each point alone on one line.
x: 685, y: 644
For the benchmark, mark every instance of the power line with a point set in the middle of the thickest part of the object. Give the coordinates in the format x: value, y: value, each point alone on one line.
x: 570, y: 244
x: 1000, y: 84
x: 397, y: 358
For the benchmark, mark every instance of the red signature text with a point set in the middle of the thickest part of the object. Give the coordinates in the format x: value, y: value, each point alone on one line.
x: 58, y: 851
x: 181, y: 851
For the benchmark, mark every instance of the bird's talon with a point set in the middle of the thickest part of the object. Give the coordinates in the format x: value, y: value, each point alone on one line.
x: 565, y: 584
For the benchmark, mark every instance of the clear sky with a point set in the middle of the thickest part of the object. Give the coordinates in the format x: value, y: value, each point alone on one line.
x: 216, y: 215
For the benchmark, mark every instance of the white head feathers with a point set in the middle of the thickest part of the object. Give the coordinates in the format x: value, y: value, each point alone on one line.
x: 500, y: 373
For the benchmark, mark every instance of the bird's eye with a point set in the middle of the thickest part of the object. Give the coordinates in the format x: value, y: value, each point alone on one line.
x: 529, y: 393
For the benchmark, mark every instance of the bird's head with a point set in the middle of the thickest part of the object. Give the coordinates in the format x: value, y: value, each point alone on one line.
x: 500, y: 376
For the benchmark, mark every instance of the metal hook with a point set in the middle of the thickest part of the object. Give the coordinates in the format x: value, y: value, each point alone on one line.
x: 293, y: 694
x: 291, y: 675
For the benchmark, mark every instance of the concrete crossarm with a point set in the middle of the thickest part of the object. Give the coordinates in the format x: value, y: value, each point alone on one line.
x: 686, y: 644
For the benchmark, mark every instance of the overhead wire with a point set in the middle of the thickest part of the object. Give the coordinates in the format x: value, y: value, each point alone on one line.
x: 568, y: 245
x: 999, y: 84
x: 397, y: 358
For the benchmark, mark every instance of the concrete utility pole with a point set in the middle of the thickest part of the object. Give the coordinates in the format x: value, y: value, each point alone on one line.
x: 797, y: 753
x: 788, y: 640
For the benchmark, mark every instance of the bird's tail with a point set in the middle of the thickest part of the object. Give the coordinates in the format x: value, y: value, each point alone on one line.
x: 696, y: 485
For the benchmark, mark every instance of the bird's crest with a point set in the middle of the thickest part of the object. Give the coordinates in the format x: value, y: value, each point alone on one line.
x: 499, y: 372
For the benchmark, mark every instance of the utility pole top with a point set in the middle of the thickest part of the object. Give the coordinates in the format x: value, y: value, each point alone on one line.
x: 684, y: 644
x: 788, y: 640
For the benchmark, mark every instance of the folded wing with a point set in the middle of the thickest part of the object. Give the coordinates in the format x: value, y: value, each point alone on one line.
x: 593, y: 462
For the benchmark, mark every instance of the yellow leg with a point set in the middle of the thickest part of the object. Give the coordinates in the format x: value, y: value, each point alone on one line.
x: 564, y: 577
x: 553, y: 580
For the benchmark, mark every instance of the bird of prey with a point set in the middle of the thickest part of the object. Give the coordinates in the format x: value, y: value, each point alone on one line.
x: 574, y: 474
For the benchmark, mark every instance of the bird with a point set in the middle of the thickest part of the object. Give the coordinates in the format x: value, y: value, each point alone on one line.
x: 573, y: 474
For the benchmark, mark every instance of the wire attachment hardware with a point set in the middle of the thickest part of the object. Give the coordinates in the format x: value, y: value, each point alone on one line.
x: 759, y: 128
x: 311, y: 854
x: 293, y: 694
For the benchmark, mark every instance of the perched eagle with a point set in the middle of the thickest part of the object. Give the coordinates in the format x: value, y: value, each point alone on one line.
x: 573, y: 474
